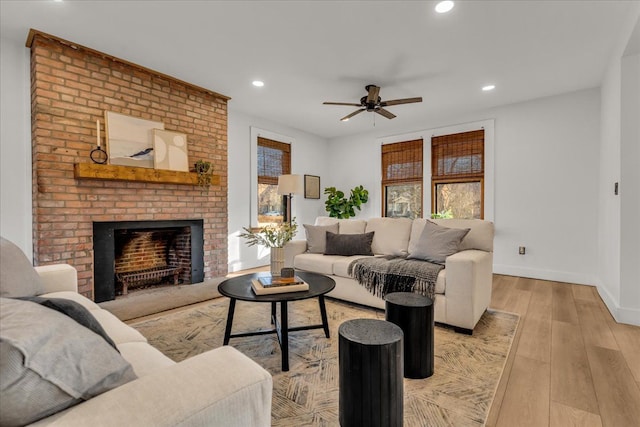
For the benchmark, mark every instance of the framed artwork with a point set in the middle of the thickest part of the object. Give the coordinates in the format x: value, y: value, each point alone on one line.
x: 311, y: 187
x: 170, y: 150
x: 130, y: 140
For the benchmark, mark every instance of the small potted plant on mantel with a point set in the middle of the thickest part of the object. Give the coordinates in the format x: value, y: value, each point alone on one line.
x: 204, y: 170
x: 273, y: 236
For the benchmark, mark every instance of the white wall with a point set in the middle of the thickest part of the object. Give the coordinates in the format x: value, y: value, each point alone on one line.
x: 630, y: 190
x: 618, y: 226
x: 308, y: 156
x: 15, y: 145
x: 545, y: 191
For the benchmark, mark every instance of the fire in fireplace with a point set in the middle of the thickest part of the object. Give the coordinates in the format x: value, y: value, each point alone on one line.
x: 135, y: 254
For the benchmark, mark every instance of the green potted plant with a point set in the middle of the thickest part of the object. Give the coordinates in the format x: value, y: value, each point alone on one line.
x: 339, y: 206
x: 204, y: 170
x: 273, y: 236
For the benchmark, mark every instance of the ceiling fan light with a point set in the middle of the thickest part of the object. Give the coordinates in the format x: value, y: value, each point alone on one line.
x: 444, y: 6
x: 346, y: 119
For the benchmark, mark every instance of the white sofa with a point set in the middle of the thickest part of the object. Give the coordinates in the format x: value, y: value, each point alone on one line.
x: 463, y: 287
x: 221, y: 387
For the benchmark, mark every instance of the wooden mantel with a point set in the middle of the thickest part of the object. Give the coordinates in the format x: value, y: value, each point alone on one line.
x: 128, y: 173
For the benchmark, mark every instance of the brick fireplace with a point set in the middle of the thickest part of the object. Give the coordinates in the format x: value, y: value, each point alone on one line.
x: 71, y: 87
x: 142, y: 253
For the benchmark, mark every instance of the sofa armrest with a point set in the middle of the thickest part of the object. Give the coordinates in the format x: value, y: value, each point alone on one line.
x: 58, y: 277
x: 221, y: 387
x: 293, y: 248
x: 469, y: 278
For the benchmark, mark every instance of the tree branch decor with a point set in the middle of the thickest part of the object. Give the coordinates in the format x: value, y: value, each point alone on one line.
x: 272, y: 235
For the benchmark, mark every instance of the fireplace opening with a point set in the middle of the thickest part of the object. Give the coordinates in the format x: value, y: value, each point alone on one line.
x: 132, y: 255
x: 146, y: 258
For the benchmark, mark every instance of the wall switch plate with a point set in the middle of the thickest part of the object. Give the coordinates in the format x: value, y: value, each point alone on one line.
x: 522, y: 250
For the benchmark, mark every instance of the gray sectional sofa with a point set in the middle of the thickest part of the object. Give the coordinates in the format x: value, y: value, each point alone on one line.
x: 462, y: 289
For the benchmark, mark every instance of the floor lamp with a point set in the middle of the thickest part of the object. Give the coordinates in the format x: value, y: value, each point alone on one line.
x: 288, y: 185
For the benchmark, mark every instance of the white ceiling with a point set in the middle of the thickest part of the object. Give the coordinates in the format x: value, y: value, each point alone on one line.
x: 308, y: 52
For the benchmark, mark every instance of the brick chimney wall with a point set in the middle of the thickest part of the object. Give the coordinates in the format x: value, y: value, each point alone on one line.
x: 71, y: 87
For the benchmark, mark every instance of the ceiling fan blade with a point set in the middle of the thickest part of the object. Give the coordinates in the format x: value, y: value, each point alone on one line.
x: 373, y: 93
x: 350, y: 104
x: 388, y: 114
x: 345, y: 118
x: 400, y: 101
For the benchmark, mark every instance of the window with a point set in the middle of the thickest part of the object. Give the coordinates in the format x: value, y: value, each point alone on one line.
x: 457, y: 175
x: 274, y: 159
x: 402, y: 179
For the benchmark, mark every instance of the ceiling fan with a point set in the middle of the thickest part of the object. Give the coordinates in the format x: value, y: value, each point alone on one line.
x: 373, y: 103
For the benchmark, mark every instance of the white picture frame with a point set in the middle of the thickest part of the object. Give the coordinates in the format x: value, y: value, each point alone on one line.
x: 130, y: 140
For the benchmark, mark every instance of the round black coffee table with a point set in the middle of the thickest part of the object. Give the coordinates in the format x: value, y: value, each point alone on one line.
x: 239, y: 288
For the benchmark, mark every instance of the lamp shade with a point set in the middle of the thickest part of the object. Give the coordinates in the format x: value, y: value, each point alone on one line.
x: 290, y: 184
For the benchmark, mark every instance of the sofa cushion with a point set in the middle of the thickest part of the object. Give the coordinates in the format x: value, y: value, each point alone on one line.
x: 392, y: 235
x: 346, y: 226
x: 352, y: 226
x: 436, y: 243
x: 341, y: 265
x: 317, y: 236
x: 349, y: 244
x: 17, y: 276
x: 49, y: 362
x: 318, y: 263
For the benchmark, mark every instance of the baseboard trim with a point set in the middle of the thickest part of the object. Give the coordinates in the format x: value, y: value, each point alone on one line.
x: 629, y: 316
x: 552, y: 275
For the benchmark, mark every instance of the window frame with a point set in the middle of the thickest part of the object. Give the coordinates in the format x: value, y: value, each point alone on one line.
x: 417, y: 179
x: 255, y: 133
x: 461, y: 178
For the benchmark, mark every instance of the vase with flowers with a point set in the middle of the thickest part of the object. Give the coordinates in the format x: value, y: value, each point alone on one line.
x: 273, y: 236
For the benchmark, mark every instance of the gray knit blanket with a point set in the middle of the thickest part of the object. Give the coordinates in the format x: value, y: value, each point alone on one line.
x: 386, y: 274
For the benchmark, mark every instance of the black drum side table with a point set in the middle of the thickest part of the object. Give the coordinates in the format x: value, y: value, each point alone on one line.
x: 370, y: 365
x: 414, y: 314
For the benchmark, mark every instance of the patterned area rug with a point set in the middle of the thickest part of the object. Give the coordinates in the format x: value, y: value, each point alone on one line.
x: 466, y: 374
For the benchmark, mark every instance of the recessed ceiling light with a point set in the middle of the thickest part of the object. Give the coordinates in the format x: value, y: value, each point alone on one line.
x: 258, y: 83
x: 444, y: 6
x: 57, y: 1
x: 487, y: 88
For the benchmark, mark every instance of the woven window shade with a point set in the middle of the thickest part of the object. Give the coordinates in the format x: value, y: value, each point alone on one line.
x: 402, y: 162
x: 458, y: 155
x: 274, y: 159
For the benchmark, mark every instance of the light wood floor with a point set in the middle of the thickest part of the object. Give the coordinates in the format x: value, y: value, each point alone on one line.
x: 571, y: 364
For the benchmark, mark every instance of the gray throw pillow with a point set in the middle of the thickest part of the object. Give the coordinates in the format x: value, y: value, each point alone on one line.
x: 317, y: 236
x: 349, y: 244
x: 48, y: 362
x: 18, y: 278
x: 75, y: 311
x: 436, y: 243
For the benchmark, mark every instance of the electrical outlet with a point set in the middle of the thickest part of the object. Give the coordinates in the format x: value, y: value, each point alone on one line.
x: 522, y: 250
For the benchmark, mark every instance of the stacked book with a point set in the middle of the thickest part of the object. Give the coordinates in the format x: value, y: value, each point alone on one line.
x: 266, y: 285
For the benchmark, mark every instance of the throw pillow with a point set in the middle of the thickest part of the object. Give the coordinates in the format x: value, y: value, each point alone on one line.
x: 18, y: 278
x: 317, y: 236
x: 75, y: 311
x: 349, y: 244
x: 48, y: 362
x: 436, y: 243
